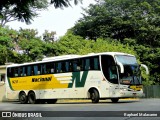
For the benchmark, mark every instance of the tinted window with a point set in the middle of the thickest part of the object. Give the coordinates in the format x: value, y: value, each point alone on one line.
x: 109, y: 68
x: 81, y: 64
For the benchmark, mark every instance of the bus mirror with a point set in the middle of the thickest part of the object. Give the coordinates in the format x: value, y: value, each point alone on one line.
x: 121, y: 67
x: 146, y: 68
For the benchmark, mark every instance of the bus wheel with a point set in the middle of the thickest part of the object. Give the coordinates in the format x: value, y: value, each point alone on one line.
x: 114, y: 100
x: 94, y: 95
x: 32, y: 97
x: 23, y: 98
x: 51, y: 101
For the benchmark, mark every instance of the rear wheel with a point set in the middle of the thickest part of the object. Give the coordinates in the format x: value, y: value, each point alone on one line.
x: 32, y: 97
x: 114, y: 100
x: 94, y: 95
x: 23, y: 98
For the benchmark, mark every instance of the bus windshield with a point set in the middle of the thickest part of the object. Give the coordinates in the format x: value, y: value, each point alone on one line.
x: 131, y: 73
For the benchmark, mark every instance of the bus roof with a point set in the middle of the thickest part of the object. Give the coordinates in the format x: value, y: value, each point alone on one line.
x: 67, y: 57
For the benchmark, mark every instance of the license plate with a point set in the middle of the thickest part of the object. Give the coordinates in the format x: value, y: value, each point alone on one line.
x: 137, y: 88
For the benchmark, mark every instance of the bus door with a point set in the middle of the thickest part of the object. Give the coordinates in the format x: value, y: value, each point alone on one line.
x: 110, y: 72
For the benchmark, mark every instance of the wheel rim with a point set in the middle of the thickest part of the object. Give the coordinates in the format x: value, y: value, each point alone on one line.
x: 93, y: 96
x: 22, y: 98
x: 32, y: 98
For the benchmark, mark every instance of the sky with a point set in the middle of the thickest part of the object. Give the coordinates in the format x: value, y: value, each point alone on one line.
x: 58, y: 20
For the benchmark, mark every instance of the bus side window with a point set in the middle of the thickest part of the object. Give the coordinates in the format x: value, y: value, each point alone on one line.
x: 75, y: 65
x: 87, y: 64
x: 10, y: 72
x: 82, y: 61
x: 67, y: 66
x: 24, y: 71
x: 39, y: 69
x: 47, y: 68
x: 50, y: 68
x: 63, y: 69
x: 78, y: 64
x: 59, y: 67
x: 96, y: 64
x: 55, y: 66
x: 43, y: 69
x: 92, y: 63
x: 19, y: 72
x: 35, y: 70
x: 28, y: 70
x: 71, y: 66
x: 15, y: 72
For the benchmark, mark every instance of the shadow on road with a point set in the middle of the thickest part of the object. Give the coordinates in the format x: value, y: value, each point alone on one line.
x: 121, y: 101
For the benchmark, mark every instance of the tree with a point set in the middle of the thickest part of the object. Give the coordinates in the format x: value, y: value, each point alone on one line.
x: 26, y: 10
x: 22, y: 11
x: 63, y: 3
x: 132, y: 22
x: 120, y: 19
x: 30, y: 46
x: 49, y: 36
x: 6, y: 44
x: 72, y: 44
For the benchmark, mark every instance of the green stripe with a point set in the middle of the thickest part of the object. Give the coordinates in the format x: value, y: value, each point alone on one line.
x: 79, y: 82
x: 10, y: 83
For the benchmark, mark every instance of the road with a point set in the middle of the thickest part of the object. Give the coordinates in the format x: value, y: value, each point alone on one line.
x: 129, y: 109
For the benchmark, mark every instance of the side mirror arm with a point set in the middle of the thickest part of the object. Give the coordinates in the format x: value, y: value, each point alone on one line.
x: 121, y: 67
x: 146, y: 68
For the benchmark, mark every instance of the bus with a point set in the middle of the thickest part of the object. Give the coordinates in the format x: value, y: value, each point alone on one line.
x: 95, y: 76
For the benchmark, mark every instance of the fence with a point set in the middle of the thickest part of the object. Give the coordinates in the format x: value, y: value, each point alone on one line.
x: 152, y: 91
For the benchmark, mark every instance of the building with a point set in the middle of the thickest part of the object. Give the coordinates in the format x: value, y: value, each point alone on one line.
x: 2, y: 81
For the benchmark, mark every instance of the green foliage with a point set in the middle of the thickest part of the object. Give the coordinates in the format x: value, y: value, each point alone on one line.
x: 25, y: 46
x: 20, y: 46
x: 6, y: 44
x: 48, y: 37
x: 63, y: 3
x: 132, y: 22
x: 25, y: 11
x: 71, y: 44
x: 30, y: 45
x: 120, y: 19
x: 130, y: 26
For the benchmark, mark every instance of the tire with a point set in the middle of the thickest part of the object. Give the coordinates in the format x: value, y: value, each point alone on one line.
x: 51, y: 101
x: 32, y: 97
x: 114, y: 100
x: 23, y: 98
x: 94, y: 95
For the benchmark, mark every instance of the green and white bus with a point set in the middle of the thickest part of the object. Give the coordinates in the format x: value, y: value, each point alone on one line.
x: 108, y: 75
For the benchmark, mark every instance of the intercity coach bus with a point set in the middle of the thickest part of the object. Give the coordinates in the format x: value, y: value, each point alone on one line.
x: 108, y: 75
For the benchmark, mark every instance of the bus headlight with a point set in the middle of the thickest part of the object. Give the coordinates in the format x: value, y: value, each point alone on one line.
x: 124, y: 89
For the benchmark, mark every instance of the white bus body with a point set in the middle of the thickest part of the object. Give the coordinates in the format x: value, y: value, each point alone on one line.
x: 108, y: 75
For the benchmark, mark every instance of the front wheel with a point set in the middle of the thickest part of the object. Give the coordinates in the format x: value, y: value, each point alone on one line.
x: 94, y: 95
x: 114, y: 100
